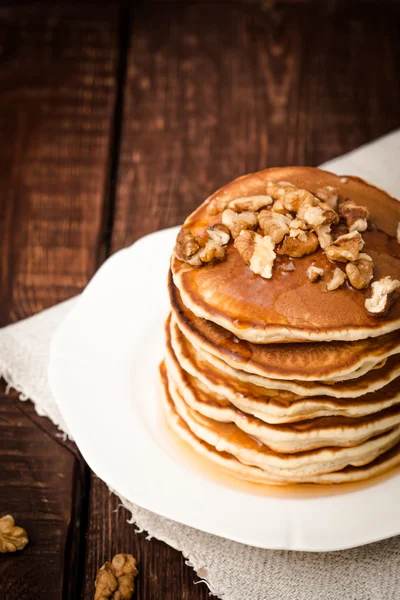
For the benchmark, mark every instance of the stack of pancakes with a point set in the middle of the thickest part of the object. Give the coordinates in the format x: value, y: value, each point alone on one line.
x: 275, y: 378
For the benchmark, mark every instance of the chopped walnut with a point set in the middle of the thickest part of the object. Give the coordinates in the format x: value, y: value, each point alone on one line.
x: 237, y: 222
x: 314, y: 273
x: 292, y: 200
x: 312, y: 215
x: 324, y: 235
x: 383, y: 295
x: 360, y: 272
x: 338, y: 279
x: 298, y: 224
x: 254, y: 203
x: 219, y: 234
x: 301, y: 245
x: 115, y: 579
x: 212, y: 251
x: 274, y: 224
x: 346, y: 247
x: 278, y: 189
x: 398, y: 233
x: 328, y: 194
x: 189, y: 250
x: 216, y: 206
x: 186, y: 245
x: 355, y: 216
x: 12, y: 538
x: 317, y: 215
x: 257, y: 252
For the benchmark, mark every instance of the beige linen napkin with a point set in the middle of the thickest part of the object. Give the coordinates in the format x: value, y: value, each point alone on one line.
x: 234, y: 571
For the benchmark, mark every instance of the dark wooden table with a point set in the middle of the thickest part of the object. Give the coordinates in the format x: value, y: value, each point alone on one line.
x: 116, y: 120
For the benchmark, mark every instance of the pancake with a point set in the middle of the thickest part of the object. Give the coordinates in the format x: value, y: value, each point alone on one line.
x: 225, y: 395
x: 312, y: 361
x: 288, y: 437
x: 230, y: 464
x: 288, y: 307
x: 373, y: 381
x: 227, y: 437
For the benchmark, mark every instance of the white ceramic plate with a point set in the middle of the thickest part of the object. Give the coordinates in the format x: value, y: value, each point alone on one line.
x: 103, y: 373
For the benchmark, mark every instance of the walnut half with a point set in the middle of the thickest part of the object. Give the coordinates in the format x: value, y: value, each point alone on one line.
x: 188, y: 249
x: 383, y: 295
x: 274, y: 224
x: 115, y: 579
x: 257, y: 252
x: 305, y: 242
x: 360, y: 272
x: 12, y: 538
x: 346, y: 247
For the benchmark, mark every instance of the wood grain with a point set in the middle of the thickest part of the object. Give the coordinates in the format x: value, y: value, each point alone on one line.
x: 58, y: 88
x: 42, y: 485
x: 163, y: 574
x: 58, y: 82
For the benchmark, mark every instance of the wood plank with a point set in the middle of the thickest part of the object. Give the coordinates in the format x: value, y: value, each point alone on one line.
x: 163, y: 573
x: 211, y: 94
x: 42, y: 484
x: 58, y: 68
x: 58, y: 80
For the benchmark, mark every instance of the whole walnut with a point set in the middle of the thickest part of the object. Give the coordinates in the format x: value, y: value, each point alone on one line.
x: 115, y: 579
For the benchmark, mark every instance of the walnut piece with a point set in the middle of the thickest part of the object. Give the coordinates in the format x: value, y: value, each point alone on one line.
x: 254, y: 203
x: 314, y: 273
x: 324, y: 235
x: 12, y: 538
x: 346, y: 247
x: 298, y: 224
x: 257, y: 252
x: 277, y: 189
x: 304, y: 243
x: 216, y: 206
x: 115, y: 579
x: 383, y: 295
x: 338, y: 279
x: 317, y: 215
x: 189, y: 250
x: 360, y: 272
x: 328, y: 194
x: 398, y: 233
x: 186, y: 245
x: 274, y: 224
x: 292, y: 200
x: 355, y: 216
x: 237, y: 222
x: 219, y: 234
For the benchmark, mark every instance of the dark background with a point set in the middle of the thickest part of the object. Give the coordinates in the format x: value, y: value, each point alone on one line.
x: 116, y: 120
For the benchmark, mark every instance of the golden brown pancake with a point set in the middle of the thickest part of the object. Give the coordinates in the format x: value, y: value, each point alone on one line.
x: 230, y: 464
x: 190, y: 355
x: 224, y: 395
x: 311, y: 361
x: 288, y: 307
x: 289, y: 437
